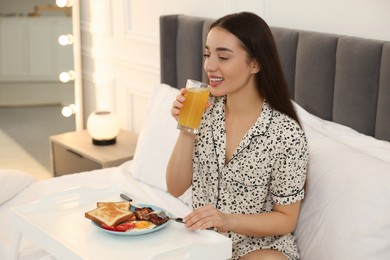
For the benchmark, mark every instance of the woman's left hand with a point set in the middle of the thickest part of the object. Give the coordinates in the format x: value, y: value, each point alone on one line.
x: 207, y: 217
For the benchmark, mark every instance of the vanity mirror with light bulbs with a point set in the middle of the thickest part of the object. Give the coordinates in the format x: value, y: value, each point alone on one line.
x: 40, y: 58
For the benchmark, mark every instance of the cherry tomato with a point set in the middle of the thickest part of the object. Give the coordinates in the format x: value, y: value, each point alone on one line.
x: 124, y: 226
x: 108, y: 227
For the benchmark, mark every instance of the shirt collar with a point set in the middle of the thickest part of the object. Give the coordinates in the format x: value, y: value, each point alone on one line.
x: 218, y: 127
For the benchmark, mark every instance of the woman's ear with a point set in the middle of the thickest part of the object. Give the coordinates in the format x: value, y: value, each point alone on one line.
x: 255, y: 66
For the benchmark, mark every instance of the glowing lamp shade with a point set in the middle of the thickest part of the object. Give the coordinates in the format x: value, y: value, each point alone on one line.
x: 103, y: 127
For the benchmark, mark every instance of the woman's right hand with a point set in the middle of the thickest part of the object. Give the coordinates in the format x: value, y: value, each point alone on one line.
x: 178, y: 104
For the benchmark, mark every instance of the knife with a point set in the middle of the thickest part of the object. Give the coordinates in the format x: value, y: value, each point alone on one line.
x: 133, y: 203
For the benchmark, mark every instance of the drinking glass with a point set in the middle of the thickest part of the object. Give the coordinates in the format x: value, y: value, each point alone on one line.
x: 194, y: 105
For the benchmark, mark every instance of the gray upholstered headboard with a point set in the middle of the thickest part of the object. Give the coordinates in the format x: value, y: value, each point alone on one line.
x: 338, y: 78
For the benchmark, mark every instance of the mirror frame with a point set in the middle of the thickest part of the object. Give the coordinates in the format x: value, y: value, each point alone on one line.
x: 78, y: 89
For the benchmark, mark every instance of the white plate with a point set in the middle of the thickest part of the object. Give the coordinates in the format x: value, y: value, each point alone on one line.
x: 138, y: 232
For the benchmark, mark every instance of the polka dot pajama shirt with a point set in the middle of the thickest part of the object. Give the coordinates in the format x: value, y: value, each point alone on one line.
x: 267, y: 168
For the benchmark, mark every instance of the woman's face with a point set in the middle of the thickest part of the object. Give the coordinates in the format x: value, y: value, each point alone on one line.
x: 227, y: 63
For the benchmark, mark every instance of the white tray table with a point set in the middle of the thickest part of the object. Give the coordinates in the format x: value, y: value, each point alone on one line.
x: 57, y: 224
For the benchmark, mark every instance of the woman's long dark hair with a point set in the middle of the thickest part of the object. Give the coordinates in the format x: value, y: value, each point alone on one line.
x: 258, y: 41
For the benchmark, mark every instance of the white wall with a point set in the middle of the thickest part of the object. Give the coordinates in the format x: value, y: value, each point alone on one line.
x: 120, y: 40
x: 368, y: 19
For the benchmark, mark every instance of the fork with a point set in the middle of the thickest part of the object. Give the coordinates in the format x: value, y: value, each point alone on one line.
x: 162, y: 214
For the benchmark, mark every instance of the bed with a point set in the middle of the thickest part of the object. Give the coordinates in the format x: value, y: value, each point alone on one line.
x: 341, y: 91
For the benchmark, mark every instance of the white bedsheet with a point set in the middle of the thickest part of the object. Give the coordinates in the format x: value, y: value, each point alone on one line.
x: 106, y: 178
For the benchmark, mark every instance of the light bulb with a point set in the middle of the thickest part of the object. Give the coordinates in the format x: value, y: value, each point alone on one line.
x: 67, y: 76
x: 65, y: 39
x: 69, y: 110
x: 61, y: 3
x: 66, y: 111
x: 64, y: 3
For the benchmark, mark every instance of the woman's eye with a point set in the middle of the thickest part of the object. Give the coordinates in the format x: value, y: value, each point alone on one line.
x: 207, y: 56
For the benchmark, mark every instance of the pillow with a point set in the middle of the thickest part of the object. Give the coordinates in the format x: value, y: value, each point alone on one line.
x: 157, y: 139
x: 346, y: 210
x: 12, y: 182
x: 346, y: 135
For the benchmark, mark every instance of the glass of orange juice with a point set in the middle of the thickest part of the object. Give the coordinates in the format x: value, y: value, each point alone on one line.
x: 194, y: 105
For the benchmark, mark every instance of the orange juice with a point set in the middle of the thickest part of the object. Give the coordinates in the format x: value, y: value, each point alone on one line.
x: 194, y: 106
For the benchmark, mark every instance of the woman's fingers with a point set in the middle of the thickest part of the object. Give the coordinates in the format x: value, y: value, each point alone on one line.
x: 203, y: 218
x: 178, y: 104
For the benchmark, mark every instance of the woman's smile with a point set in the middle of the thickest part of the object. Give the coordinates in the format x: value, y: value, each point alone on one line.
x: 215, y: 81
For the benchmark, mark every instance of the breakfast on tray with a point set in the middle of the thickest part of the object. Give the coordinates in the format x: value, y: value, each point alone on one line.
x: 117, y: 216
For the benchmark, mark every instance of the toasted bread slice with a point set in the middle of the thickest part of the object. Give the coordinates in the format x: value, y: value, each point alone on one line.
x: 109, y: 214
x: 125, y: 205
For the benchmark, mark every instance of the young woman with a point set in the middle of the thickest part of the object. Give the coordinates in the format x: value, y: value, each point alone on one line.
x: 247, y: 165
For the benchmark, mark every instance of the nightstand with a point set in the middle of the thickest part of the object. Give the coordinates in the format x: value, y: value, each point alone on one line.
x: 74, y: 152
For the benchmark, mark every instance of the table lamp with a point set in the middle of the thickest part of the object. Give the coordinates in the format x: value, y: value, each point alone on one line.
x: 103, y: 127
